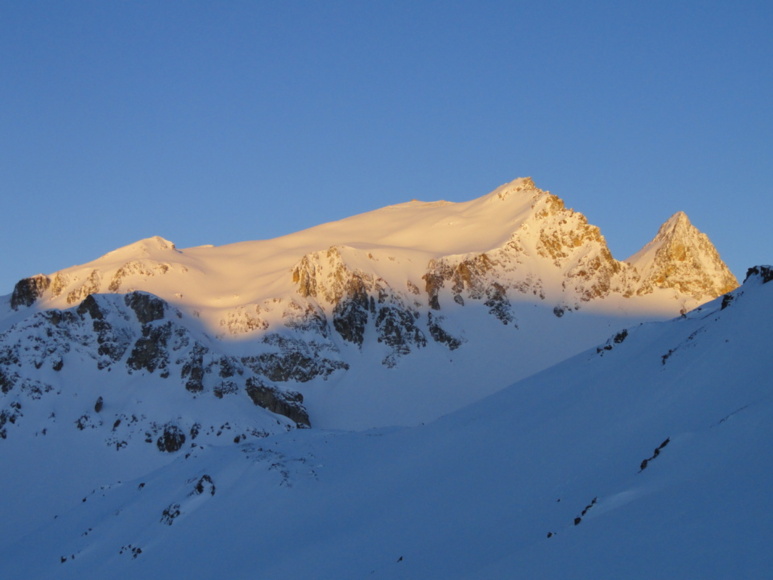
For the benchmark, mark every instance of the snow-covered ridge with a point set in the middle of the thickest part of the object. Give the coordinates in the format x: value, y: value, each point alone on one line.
x: 524, y: 232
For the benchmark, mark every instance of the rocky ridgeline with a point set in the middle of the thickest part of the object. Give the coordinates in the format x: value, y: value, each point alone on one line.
x: 28, y: 290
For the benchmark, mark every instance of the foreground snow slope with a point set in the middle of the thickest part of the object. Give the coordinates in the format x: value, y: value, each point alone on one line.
x: 647, y: 457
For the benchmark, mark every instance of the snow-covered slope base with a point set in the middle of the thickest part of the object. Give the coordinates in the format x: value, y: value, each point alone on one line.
x: 646, y: 457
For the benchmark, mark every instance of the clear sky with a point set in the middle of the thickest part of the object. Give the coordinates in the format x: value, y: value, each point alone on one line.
x: 219, y: 122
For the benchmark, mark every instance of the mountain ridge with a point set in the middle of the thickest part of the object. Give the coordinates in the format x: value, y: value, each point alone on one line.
x: 312, y: 311
x: 465, y: 229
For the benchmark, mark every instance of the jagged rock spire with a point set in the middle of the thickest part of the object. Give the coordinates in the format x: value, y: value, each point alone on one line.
x: 683, y: 258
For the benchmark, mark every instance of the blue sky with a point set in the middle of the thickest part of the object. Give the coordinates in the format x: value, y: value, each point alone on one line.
x: 218, y: 122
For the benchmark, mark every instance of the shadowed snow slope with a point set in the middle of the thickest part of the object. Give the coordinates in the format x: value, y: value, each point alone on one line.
x: 645, y: 457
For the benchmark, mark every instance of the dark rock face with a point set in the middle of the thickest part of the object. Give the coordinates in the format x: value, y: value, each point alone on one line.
x: 764, y: 272
x: 91, y: 307
x: 619, y: 338
x: 172, y: 439
x: 138, y: 332
x: 655, y: 453
x: 350, y: 315
x: 193, y: 369
x: 283, y: 403
x: 6, y: 382
x: 204, y: 484
x: 9, y: 415
x: 362, y: 303
x: 292, y: 366
x: 146, y: 306
x: 170, y: 514
x: 397, y: 329
x: 150, y: 351
x: 293, y: 359
x: 112, y: 344
x: 28, y: 290
x: 439, y: 334
x: 498, y: 304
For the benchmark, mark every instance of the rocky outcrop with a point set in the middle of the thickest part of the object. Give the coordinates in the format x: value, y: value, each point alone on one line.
x: 146, y: 306
x: 287, y: 403
x: 90, y: 286
x: 171, y: 439
x: 358, y: 301
x: 294, y: 359
x: 764, y: 273
x: 551, y: 237
x: 28, y: 290
x: 439, y: 334
x: 136, y: 268
x: 151, y: 350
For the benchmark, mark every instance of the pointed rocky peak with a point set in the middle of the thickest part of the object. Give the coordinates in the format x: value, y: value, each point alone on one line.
x: 678, y: 225
x: 682, y: 258
x: 515, y: 187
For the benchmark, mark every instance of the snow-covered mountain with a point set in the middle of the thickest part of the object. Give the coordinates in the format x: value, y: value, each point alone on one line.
x: 646, y: 456
x: 153, y: 404
x: 392, y: 317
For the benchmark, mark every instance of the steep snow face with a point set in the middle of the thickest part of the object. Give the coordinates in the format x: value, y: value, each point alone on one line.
x: 682, y: 258
x: 647, y: 456
x: 365, y: 313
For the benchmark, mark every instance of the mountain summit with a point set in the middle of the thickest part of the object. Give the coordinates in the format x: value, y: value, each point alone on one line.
x: 682, y: 258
